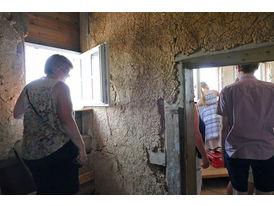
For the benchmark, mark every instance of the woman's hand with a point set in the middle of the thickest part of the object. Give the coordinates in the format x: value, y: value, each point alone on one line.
x: 205, y: 162
x: 82, y: 158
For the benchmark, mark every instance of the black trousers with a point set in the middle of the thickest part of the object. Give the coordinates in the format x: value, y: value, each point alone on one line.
x: 56, y: 174
x: 263, y: 173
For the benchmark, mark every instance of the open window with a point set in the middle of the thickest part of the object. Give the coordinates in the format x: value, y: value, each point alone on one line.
x: 95, y: 76
x: 89, y: 78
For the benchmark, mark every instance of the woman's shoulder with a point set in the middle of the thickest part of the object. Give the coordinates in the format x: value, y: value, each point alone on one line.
x: 43, y: 81
x: 61, y: 85
x: 60, y: 88
x: 35, y: 82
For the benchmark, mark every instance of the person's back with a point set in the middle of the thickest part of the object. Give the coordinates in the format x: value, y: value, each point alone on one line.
x: 43, y: 133
x: 251, y: 118
x: 208, y: 107
x: 53, y: 148
x: 247, y: 107
x: 211, y: 98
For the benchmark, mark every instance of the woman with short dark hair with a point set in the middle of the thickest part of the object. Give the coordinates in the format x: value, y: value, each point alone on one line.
x: 52, y: 146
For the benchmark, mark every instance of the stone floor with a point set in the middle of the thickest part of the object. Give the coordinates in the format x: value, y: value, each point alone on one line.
x: 214, y: 186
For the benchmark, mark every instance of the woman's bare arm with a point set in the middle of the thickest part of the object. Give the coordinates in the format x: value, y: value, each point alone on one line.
x: 200, y: 102
x: 18, y: 111
x: 199, y: 140
x: 217, y: 93
x: 64, y: 111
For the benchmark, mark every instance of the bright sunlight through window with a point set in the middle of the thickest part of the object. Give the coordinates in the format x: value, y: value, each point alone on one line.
x: 89, y: 78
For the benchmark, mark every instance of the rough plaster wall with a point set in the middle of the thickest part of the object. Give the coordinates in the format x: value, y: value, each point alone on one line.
x: 12, y: 27
x: 142, y: 47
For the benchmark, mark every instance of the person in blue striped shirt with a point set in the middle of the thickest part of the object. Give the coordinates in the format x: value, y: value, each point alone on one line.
x: 208, y: 108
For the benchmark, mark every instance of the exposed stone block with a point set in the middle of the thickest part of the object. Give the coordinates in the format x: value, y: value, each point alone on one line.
x: 157, y: 158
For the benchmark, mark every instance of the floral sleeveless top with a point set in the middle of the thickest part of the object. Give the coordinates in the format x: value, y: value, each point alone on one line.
x: 43, y: 133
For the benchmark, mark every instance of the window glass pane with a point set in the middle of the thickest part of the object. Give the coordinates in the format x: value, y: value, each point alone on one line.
x: 95, y: 77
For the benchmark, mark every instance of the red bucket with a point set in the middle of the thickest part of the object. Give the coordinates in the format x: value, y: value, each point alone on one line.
x: 215, y: 159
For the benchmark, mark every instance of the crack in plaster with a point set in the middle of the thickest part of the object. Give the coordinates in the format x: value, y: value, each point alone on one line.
x: 110, y: 130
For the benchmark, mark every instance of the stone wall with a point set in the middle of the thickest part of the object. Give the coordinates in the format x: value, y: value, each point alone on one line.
x: 12, y: 28
x: 142, y: 47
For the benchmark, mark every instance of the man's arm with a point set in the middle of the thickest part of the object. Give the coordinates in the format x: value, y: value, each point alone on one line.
x: 222, y: 110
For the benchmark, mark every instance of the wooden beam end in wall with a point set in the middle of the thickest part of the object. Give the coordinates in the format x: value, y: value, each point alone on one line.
x: 86, y: 177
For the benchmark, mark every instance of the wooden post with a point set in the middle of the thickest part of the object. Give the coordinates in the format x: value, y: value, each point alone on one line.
x: 180, y: 139
x: 173, y: 150
x: 84, y: 31
x: 87, y: 122
x: 188, y: 138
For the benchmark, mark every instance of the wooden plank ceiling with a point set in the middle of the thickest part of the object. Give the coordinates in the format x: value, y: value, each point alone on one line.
x: 55, y: 29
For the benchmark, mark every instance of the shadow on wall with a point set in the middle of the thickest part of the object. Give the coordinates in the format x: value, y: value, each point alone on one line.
x: 105, y: 165
x: 104, y: 169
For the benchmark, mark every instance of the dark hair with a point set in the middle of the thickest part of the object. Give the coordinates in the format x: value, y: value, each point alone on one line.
x: 249, y: 68
x: 56, y: 61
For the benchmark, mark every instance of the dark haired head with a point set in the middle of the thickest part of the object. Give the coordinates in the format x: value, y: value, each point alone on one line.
x: 56, y: 61
x: 249, y: 68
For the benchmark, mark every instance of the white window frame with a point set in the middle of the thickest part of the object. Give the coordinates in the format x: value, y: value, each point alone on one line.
x: 102, y: 74
x: 101, y: 97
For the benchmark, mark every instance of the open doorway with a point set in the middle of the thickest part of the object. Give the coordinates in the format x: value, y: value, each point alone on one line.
x: 219, y: 77
x: 183, y: 138
x: 215, y: 179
